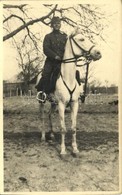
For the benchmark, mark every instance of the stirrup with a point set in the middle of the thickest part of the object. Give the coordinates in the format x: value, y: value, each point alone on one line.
x: 42, y: 98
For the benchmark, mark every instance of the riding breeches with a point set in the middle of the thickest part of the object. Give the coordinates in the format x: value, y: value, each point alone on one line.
x: 49, y: 68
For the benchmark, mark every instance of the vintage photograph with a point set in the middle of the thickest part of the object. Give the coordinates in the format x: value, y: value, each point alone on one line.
x: 61, y: 70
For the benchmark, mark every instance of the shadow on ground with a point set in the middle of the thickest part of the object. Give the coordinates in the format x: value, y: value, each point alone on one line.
x: 85, y: 140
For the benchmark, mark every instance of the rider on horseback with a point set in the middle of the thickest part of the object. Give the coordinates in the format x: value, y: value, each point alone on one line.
x: 53, y: 47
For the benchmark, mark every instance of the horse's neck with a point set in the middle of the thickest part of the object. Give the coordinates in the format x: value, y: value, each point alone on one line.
x: 68, y: 50
x: 68, y: 70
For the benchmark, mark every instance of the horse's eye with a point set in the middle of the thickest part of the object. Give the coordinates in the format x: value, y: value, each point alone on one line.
x: 82, y: 39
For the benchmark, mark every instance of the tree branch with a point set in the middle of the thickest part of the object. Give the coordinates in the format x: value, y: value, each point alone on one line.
x: 5, y: 6
x: 25, y: 25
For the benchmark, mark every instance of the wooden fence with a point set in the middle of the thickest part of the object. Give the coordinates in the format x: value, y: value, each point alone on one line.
x: 17, y: 89
x: 100, y: 98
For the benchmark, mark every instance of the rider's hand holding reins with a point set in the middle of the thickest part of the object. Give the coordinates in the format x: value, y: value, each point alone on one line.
x: 58, y: 58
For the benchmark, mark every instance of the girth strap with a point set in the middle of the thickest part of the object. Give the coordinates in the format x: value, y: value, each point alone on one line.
x: 70, y: 91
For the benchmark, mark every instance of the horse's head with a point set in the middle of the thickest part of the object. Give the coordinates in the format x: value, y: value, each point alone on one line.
x: 82, y: 46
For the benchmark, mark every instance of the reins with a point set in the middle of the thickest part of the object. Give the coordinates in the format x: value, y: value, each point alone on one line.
x: 85, y: 53
x: 73, y: 60
x: 76, y: 59
x: 70, y: 91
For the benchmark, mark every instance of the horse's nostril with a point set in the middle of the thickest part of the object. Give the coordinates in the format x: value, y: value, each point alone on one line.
x: 98, y: 52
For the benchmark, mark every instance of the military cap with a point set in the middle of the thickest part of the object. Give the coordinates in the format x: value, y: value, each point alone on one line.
x: 55, y: 19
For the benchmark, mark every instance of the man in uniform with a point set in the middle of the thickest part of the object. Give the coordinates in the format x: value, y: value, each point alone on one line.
x: 53, y: 47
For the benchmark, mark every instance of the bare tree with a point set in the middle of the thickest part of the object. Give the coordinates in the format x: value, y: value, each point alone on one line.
x: 29, y: 60
x: 91, y: 18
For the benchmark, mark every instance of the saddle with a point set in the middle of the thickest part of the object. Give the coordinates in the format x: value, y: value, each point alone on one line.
x: 50, y: 88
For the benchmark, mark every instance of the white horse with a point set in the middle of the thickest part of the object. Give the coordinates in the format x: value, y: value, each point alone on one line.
x: 67, y: 87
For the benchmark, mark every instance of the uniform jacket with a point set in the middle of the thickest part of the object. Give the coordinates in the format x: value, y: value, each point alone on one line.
x: 54, y: 44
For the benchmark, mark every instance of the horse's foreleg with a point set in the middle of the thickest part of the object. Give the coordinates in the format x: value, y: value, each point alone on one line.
x: 41, y: 108
x: 74, y: 111
x: 52, y: 110
x: 61, y: 108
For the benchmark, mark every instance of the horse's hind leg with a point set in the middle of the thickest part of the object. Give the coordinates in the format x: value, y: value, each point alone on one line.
x: 61, y: 108
x: 51, y: 112
x: 74, y: 111
x: 41, y: 109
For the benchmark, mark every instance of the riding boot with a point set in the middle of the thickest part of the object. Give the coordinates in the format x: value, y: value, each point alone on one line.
x: 39, y: 86
x: 51, y: 98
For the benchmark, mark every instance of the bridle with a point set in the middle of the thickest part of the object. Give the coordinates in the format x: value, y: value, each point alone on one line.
x: 76, y: 58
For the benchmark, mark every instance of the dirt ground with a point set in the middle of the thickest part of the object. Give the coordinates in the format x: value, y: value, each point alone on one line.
x: 31, y: 165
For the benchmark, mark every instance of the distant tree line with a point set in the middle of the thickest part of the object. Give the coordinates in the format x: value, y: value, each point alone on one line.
x: 18, y: 89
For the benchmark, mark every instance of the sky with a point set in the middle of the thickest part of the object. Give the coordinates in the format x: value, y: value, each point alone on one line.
x: 107, y: 68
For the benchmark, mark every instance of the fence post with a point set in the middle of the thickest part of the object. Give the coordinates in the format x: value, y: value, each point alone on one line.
x: 17, y: 92
x: 10, y: 93
x: 21, y: 93
x: 30, y: 93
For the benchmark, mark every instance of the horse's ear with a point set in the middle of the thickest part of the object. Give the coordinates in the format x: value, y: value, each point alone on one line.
x: 76, y: 31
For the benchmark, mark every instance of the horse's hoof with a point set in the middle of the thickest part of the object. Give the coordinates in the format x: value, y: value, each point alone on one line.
x: 76, y: 154
x: 43, y: 139
x: 52, y: 137
x: 64, y: 157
